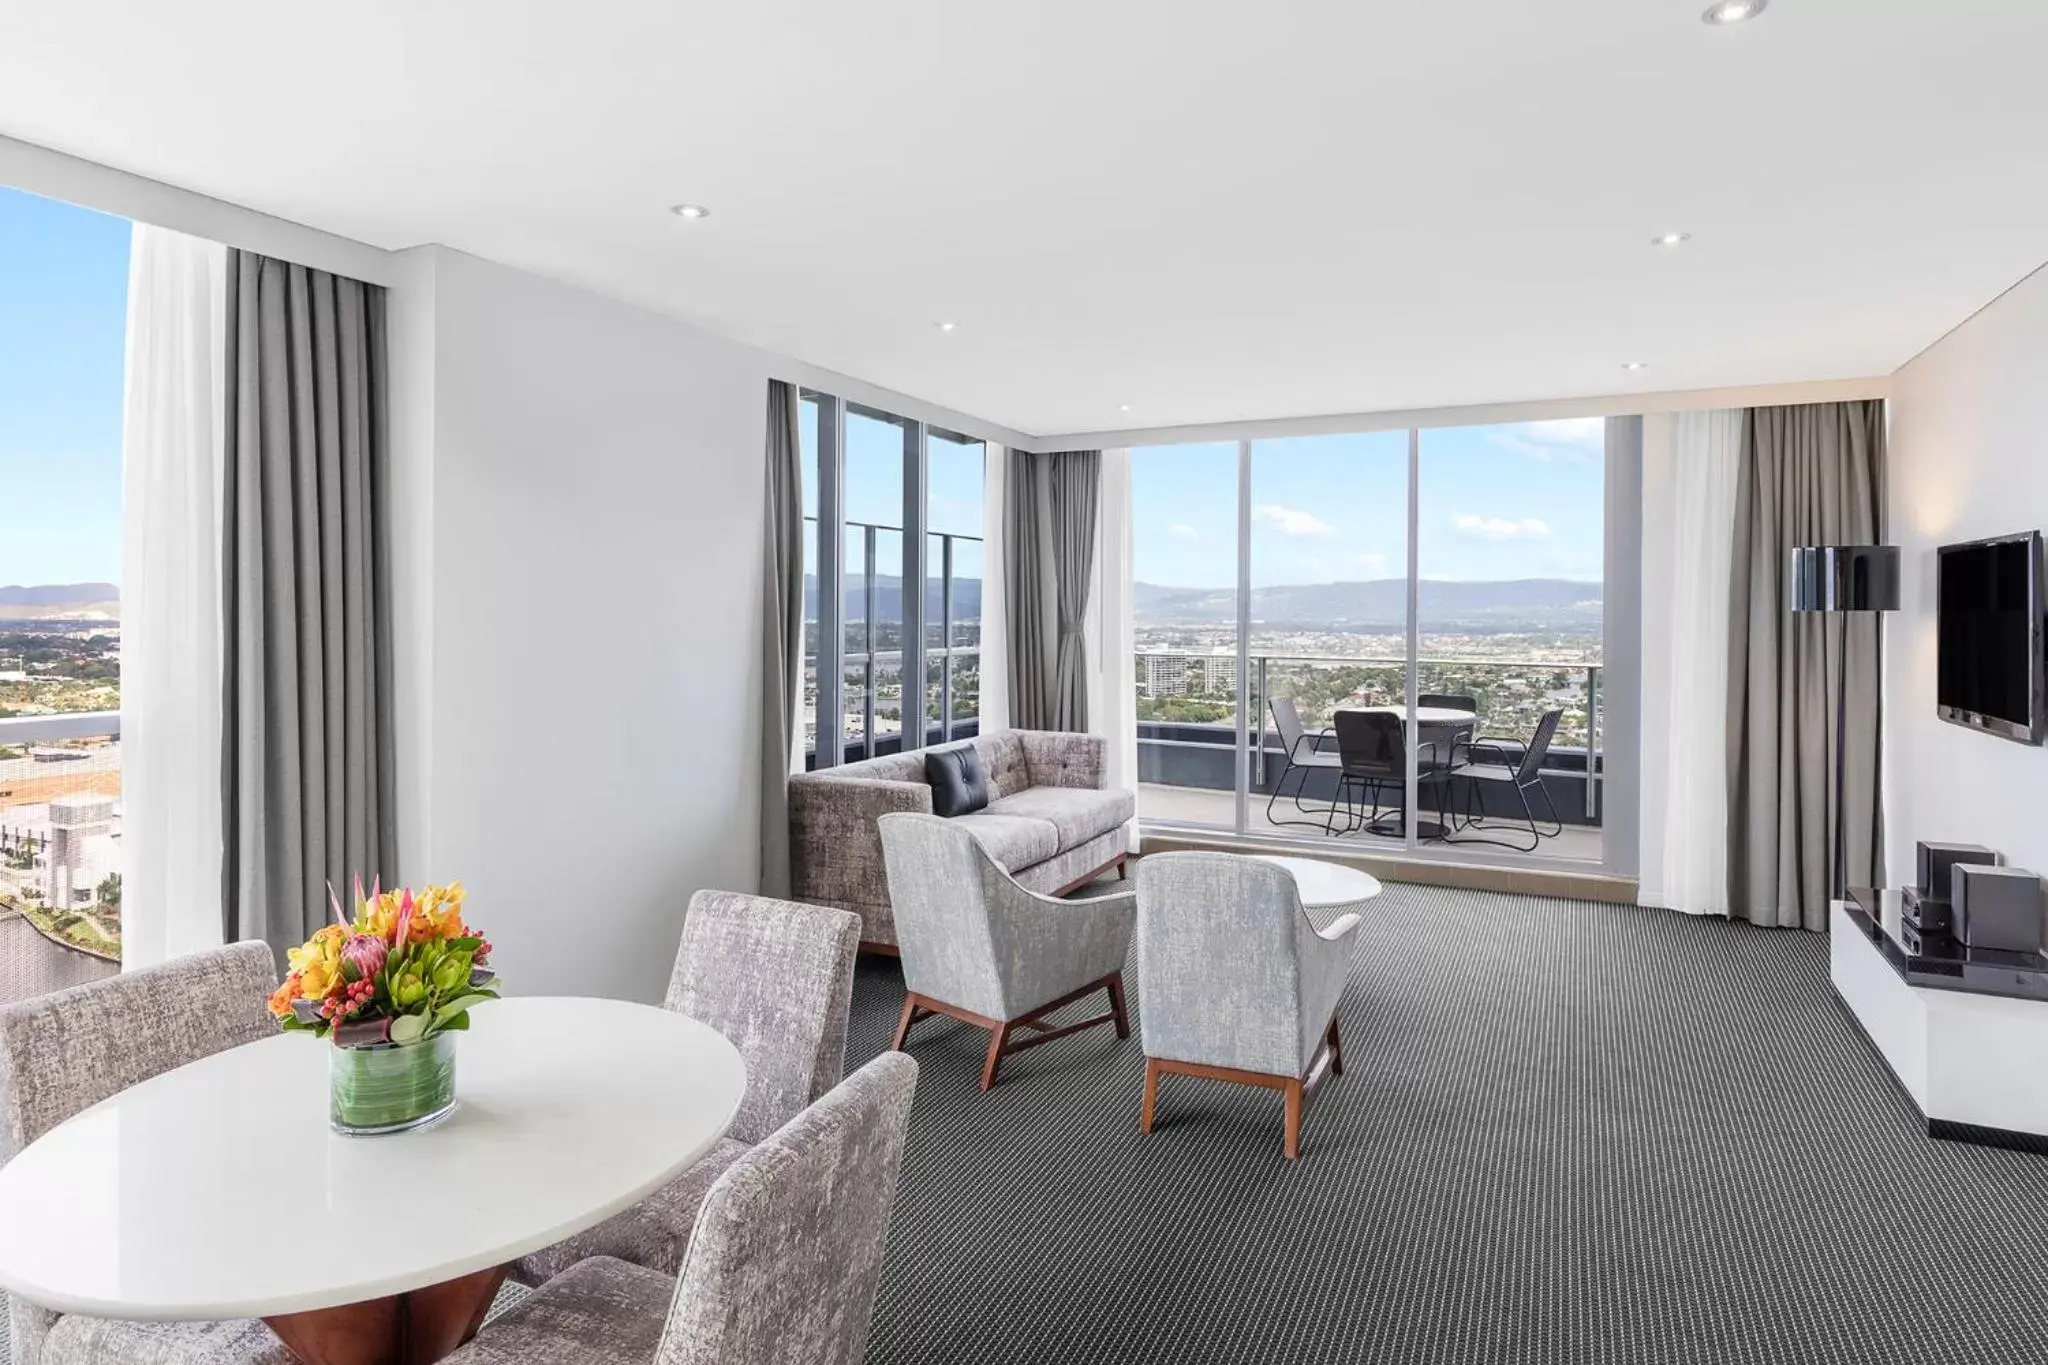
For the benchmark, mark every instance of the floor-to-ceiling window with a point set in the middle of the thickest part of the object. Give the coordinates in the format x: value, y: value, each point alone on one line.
x: 63, y: 324
x: 1509, y: 533
x: 1184, y: 558
x: 1391, y: 639
x: 893, y: 568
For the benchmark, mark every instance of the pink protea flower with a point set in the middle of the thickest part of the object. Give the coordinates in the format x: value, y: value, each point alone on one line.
x: 366, y: 953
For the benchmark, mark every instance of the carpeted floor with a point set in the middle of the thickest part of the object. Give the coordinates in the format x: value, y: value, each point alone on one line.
x: 1566, y: 1133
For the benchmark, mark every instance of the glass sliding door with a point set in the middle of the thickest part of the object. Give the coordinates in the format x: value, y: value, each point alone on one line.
x: 1184, y: 554
x: 1510, y: 530
x: 1328, y: 532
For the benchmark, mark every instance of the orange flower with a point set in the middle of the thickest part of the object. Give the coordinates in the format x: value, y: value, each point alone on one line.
x: 281, y: 998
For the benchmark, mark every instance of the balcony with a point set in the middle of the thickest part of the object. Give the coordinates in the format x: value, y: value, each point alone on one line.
x: 60, y: 851
x: 1187, y: 738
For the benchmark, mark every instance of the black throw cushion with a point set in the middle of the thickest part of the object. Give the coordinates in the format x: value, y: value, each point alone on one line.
x: 958, y: 788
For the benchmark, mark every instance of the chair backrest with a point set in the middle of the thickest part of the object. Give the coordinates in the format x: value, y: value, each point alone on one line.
x: 1373, y: 741
x: 1219, y: 961
x: 940, y: 888
x: 787, y: 1251
x: 67, y: 1051
x: 1287, y: 720
x: 776, y: 978
x: 1539, y: 747
x: 1449, y: 701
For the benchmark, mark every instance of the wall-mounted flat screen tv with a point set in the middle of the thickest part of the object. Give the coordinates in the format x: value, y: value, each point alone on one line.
x: 1991, y: 667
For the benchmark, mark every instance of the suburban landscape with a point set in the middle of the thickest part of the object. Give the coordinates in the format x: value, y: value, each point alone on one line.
x: 1518, y: 647
x: 60, y: 797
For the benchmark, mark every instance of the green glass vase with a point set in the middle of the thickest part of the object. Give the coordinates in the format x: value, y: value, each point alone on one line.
x: 389, y: 1089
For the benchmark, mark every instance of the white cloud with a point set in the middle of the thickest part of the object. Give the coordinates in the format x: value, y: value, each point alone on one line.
x: 1578, y: 439
x: 1292, y: 522
x: 1500, y: 528
x: 1180, y: 530
x: 1372, y: 562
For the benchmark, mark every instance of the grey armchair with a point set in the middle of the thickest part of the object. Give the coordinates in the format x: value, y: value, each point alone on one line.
x: 781, y: 1268
x: 1238, y: 983
x: 66, y: 1051
x: 979, y: 948
x: 776, y: 978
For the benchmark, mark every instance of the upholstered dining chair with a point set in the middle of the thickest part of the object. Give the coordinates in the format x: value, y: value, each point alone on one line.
x: 1237, y: 982
x: 979, y: 948
x: 781, y: 1267
x: 776, y: 978
x: 66, y: 1051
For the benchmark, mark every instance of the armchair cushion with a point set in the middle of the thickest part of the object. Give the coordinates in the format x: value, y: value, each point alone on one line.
x: 958, y: 786
x: 1077, y: 813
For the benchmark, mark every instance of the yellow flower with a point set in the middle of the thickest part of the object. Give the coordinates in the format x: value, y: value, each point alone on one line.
x: 439, y: 912
x: 318, y: 963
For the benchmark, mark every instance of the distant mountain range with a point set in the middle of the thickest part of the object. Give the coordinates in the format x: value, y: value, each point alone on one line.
x: 1509, y: 605
x: 61, y: 601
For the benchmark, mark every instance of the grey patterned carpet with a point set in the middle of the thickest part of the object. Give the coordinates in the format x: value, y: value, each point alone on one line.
x: 1566, y: 1133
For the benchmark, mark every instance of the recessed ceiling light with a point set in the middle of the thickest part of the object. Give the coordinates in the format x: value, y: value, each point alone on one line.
x: 947, y: 326
x: 1637, y: 365
x: 1734, y: 11
x: 1123, y: 407
x: 1670, y: 238
x: 691, y: 211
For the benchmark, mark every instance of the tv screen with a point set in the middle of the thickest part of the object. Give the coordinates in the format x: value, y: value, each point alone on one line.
x: 1990, y: 641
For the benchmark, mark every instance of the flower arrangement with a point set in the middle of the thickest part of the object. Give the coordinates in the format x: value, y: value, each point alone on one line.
x: 405, y: 970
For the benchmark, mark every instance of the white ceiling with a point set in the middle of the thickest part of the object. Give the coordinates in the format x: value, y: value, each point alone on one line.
x: 1206, y: 211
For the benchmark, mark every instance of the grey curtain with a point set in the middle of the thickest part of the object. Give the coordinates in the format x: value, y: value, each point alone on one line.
x: 782, y: 626
x: 307, y: 757
x: 1810, y: 475
x: 1050, y: 569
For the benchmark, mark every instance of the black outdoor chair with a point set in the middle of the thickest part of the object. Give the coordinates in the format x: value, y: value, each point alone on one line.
x: 1459, y: 736
x: 1524, y: 777
x: 1374, y: 748
x: 1305, y: 755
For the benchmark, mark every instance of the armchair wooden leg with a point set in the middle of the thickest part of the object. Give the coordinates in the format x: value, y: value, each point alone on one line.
x: 1336, y: 1048
x: 1116, y: 1005
x: 1123, y: 867
x: 1292, y: 1091
x: 1151, y: 1095
x: 903, y: 1023
x: 998, y: 1039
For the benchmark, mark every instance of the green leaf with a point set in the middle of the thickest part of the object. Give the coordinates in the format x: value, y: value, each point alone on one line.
x: 454, y: 1009
x: 455, y: 1025
x: 408, y: 1028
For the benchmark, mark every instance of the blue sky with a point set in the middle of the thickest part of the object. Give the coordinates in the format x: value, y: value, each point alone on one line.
x: 1523, y: 500
x: 63, y: 328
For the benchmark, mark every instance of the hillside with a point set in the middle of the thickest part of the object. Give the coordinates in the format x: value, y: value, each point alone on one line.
x: 58, y: 601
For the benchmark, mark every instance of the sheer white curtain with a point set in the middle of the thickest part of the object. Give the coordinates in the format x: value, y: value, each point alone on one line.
x: 170, y: 597
x: 995, y: 616
x: 1112, y: 699
x: 1690, y: 467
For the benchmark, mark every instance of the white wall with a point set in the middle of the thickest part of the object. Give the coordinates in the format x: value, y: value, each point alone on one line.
x: 1969, y: 458
x: 577, y: 490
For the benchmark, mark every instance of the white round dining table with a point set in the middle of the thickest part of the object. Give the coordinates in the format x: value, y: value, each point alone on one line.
x: 218, y: 1190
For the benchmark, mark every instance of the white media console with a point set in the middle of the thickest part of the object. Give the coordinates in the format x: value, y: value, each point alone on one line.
x: 1973, y: 1055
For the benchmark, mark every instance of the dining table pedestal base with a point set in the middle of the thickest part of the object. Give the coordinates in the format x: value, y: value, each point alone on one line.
x: 414, y: 1328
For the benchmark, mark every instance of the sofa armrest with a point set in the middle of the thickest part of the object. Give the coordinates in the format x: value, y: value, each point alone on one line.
x: 1057, y: 759
x: 835, y: 846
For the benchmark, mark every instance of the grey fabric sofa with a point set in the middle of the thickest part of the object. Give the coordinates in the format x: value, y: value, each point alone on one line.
x: 1049, y: 822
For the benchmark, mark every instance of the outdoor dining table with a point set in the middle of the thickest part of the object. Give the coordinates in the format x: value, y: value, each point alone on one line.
x: 218, y: 1190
